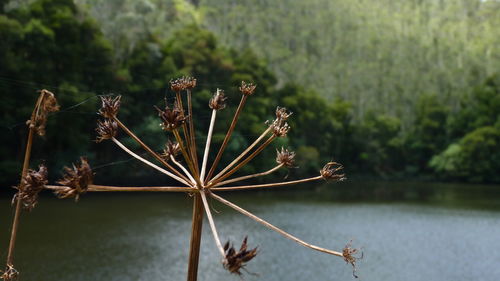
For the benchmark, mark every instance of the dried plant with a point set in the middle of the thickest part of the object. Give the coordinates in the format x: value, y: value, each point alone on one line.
x: 200, y: 180
x: 31, y: 184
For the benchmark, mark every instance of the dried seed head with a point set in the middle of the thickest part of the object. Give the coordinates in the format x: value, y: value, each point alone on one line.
x: 171, y: 149
x: 235, y: 261
x: 76, y: 179
x: 329, y: 171
x: 349, y: 256
x: 247, y: 88
x: 285, y: 157
x: 282, y: 114
x: 106, y: 129
x: 218, y: 101
x: 46, y: 104
x: 280, y: 129
x: 30, y: 186
x: 183, y: 83
x: 10, y: 273
x: 110, y: 106
x: 172, y: 117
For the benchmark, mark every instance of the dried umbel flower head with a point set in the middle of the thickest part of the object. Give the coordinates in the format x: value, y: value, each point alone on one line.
x: 235, y: 261
x: 10, y: 273
x: 46, y: 104
x: 30, y: 186
x: 329, y: 171
x: 282, y: 114
x: 247, y: 88
x: 280, y: 129
x: 171, y: 149
x: 218, y: 101
x: 76, y: 179
x: 106, y: 129
x: 349, y: 256
x: 285, y: 157
x: 172, y: 118
x: 110, y: 106
x: 183, y: 83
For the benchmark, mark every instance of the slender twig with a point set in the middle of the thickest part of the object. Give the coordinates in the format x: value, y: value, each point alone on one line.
x: 148, y: 149
x: 245, y: 152
x: 250, y: 176
x: 227, y: 137
x: 207, y: 145
x: 244, y: 162
x: 186, y: 155
x: 99, y: 188
x: 192, y: 133
x: 193, y: 182
x: 185, y: 131
x: 149, y: 163
x: 230, y: 188
x: 212, y: 223
x: 194, y: 245
x: 272, y: 227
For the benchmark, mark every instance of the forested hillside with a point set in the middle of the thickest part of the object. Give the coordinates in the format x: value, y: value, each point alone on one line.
x: 392, y: 89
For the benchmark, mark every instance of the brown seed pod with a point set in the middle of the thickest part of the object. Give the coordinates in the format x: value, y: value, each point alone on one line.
x: 247, y: 88
x: 329, y: 171
x: 285, y: 157
x: 183, y: 83
x: 10, y: 273
x: 282, y: 114
x: 106, y: 129
x: 280, y: 129
x: 30, y: 186
x: 172, y: 117
x: 171, y: 149
x: 110, y: 106
x: 349, y: 256
x: 235, y: 261
x: 218, y: 101
x: 46, y: 104
x: 76, y: 179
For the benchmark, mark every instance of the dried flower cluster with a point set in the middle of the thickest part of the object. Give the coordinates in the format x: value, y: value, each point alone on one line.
x: 10, y: 274
x: 349, y: 256
x: 30, y: 186
x: 236, y: 260
x: 75, y: 180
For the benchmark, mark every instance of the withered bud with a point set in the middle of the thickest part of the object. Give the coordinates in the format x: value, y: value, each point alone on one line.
x: 46, y: 104
x: 349, y: 256
x: 10, y: 273
x: 106, y: 129
x: 282, y: 114
x: 218, y: 101
x: 110, y: 106
x: 235, y: 261
x: 30, y: 186
x: 76, y: 180
x: 183, y: 83
x: 329, y: 171
x: 280, y: 129
x: 285, y: 157
x: 171, y: 149
x: 247, y: 88
x: 172, y: 117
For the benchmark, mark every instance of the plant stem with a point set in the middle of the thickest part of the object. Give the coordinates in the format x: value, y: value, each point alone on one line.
x: 148, y: 149
x: 103, y: 188
x: 272, y: 227
x: 212, y: 223
x: 192, y: 133
x: 194, y: 247
x: 242, y: 154
x: 250, y: 176
x: 186, y: 155
x: 193, y: 182
x: 228, y: 136
x: 149, y: 163
x: 230, y: 188
x: 207, y: 146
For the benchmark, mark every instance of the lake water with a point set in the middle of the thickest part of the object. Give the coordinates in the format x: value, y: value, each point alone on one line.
x: 408, y: 231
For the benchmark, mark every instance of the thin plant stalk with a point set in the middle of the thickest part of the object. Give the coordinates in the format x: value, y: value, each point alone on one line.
x: 192, y: 133
x: 103, y: 188
x: 227, y: 137
x: 212, y: 223
x: 117, y: 142
x: 245, y: 152
x: 231, y: 188
x: 185, y: 131
x: 193, y: 182
x: 148, y: 149
x: 244, y: 162
x: 194, y: 245
x: 207, y: 145
x: 186, y: 155
x: 274, y: 228
x: 250, y: 176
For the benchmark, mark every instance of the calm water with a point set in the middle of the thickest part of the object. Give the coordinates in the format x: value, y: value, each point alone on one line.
x: 408, y: 232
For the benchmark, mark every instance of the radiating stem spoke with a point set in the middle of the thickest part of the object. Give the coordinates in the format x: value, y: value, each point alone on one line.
x: 266, y: 185
x: 250, y: 176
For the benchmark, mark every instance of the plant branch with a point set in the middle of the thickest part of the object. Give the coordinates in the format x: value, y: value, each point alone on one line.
x: 274, y: 228
x: 231, y: 188
x: 192, y: 133
x: 183, y: 169
x: 102, y: 188
x: 207, y: 145
x: 212, y: 223
x: 250, y: 176
x: 194, y: 245
x: 186, y: 155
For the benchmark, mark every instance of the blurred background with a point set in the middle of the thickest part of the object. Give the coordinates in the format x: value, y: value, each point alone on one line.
x: 405, y: 94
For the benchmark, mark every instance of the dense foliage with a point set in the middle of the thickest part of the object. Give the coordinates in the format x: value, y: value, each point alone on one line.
x: 389, y: 106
